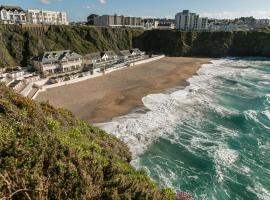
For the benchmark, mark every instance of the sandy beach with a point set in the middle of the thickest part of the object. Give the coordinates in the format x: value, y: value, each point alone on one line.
x: 115, y: 94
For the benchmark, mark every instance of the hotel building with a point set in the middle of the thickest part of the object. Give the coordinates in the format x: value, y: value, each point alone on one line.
x: 115, y: 20
x: 190, y: 21
x: 47, y: 17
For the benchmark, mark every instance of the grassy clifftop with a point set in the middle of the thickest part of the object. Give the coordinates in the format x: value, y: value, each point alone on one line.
x: 46, y: 153
x: 209, y: 44
x: 18, y: 45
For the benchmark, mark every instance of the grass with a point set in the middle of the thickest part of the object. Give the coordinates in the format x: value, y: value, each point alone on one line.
x: 46, y: 153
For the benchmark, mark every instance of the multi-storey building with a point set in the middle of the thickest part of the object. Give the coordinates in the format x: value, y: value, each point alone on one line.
x: 190, y: 21
x: 115, y: 20
x: 12, y: 15
x: 47, y: 17
x: 53, y: 62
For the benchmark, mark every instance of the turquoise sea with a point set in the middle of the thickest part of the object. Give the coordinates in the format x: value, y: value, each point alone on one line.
x: 212, y: 138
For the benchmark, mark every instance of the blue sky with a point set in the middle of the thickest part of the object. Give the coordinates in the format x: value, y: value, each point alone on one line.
x: 80, y: 9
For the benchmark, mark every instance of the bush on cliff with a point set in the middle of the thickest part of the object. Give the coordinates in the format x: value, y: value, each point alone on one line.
x: 46, y: 153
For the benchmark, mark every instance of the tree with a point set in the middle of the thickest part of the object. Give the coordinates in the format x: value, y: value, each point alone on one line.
x: 90, y: 19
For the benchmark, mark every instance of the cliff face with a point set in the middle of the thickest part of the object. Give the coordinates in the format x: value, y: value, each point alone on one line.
x: 18, y: 45
x: 208, y: 44
x: 46, y: 153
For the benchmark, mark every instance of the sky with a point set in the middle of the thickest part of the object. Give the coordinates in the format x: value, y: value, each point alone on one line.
x: 78, y: 10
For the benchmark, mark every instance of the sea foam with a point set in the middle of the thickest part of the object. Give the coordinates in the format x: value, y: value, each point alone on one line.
x: 165, y: 110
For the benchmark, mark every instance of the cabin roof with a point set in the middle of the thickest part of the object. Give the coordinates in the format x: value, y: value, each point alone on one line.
x: 53, y: 56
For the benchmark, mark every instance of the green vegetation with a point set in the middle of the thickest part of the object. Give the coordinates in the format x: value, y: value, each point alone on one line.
x: 46, y: 153
x: 18, y: 45
x: 208, y: 44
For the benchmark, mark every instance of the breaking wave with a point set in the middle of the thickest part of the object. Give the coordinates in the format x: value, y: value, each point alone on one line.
x: 210, y: 138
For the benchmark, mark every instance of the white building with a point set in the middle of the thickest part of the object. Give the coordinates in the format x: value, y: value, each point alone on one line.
x: 190, y: 21
x: 12, y: 15
x: 115, y: 20
x: 53, y: 62
x: 47, y: 17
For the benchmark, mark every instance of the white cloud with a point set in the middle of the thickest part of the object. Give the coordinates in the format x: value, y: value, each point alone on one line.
x: 102, y: 1
x: 260, y: 14
x: 49, y: 1
x: 45, y: 1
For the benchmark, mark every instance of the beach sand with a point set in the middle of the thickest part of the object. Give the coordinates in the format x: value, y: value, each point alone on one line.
x: 115, y: 94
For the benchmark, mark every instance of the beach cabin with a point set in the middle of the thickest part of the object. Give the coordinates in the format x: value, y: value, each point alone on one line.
x: 109, y: 56
x: 125, y: 55
x: 136, y: 53
x: 54, y: 62
x: 92, y: 62
x: 15, y: 74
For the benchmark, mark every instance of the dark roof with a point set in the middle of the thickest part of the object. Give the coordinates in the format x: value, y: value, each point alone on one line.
x: 12, y: 8
x: 136, y: 51
x: 108, y: 53
x: 54, y: 56
x: 125, y: 53
x: 93, y: 56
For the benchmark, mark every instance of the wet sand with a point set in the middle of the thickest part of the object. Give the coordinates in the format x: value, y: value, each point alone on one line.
x: 115, y: 94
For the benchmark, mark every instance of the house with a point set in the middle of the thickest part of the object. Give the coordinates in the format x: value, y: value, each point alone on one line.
x: 96, y: 62
x: 53, y: 62
x: 137, y: 53
x: 125, y: 54
x: 45, y: 17
x: 109, y: 56
x: 12, y: 15
x: 91, y: 61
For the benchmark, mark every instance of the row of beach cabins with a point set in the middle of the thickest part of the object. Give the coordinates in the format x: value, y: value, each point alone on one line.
x: 54, y: 67
x: 64, y: 62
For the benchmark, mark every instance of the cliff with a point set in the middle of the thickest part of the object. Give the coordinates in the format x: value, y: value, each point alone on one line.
x: 46, y: 153
x: 207, y: 44
x: 18, y: 45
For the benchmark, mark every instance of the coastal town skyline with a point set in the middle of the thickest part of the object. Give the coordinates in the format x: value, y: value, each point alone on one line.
x: 79, y: 10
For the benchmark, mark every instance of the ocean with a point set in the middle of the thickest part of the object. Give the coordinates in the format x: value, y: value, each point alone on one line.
x: 211, y: 138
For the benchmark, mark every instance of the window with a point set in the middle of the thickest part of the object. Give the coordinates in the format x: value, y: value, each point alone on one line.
x: 5, y: 14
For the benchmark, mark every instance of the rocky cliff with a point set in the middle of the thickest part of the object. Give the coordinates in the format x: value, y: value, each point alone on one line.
x: 208, y: 44
x: 18, y: 45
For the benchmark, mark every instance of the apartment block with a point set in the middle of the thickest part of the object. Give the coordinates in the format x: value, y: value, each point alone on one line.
x: 186, y: 20
x: 47, y: 17
x: 115, y: 20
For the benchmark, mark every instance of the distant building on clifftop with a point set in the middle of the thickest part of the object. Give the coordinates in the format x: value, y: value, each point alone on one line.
x: 12, y: 15
x: 190, y: 21
x: 47, y: 17
x: 115, y: 20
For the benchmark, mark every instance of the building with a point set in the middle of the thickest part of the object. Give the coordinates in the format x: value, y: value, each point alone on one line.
x: 46, y: 17
x: 136, y: 53
x: 54, y: 62
x: 190, y: 21
x: 91, y: 61
x: 96, y: 62
x: 125, y: 55
x: 115, y: 20
x: 12, y: 15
